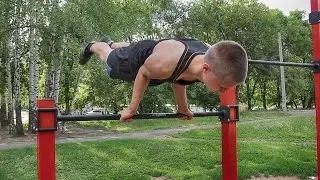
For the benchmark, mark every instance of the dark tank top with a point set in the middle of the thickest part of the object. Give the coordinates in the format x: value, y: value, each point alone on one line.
x: 192, y: 49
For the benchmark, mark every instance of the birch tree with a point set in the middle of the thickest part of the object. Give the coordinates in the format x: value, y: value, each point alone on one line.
x: 54, y: 64
x: 4, y: 59
x: 34, y: 59
x: 17, y: 68
x: 3, y: 112
x: 6, y: 11
x: 9, y: 93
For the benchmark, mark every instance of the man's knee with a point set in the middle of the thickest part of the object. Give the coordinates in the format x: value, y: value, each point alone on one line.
x: 100, y: 47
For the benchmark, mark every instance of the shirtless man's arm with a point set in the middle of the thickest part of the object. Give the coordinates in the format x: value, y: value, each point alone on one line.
x: 139, y: 87
x: 180, y: 95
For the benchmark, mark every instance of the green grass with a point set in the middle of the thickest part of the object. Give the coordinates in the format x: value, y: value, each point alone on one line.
x: 288, y: 129
x: 285, y: 148
x: 145, y: 125
x: 262, y: 115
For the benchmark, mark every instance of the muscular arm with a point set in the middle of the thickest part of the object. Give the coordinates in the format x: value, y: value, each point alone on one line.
x: 139, y: 87
x: 180, y: 94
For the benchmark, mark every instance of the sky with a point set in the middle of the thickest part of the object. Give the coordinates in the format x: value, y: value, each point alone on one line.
x: 285, y: 5
x: 288, y: 5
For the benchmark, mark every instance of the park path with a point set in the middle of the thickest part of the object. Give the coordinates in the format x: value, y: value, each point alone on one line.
x: 75, y: 135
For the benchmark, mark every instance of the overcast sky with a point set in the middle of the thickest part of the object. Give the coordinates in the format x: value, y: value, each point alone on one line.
x: 285, y: 5
x: 288, y: 5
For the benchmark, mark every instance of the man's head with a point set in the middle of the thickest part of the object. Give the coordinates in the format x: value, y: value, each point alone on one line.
x: 225, y: 65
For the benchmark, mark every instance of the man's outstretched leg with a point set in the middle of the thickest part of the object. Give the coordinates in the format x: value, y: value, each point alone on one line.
x: 101, y: 49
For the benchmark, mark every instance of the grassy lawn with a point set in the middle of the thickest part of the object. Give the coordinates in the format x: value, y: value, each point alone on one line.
x: 145, y: 125
x: 276, y: 147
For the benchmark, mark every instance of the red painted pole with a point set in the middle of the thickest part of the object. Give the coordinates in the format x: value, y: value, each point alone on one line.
x: 46, y: 140
x: 229, y: 138
x: 315, y: 7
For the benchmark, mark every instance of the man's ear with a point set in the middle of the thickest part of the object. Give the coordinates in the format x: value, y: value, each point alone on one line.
x: 206, y: 67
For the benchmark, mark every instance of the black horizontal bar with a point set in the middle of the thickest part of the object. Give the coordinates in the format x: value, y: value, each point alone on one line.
x: 139, y: 116
x: 277, y: 63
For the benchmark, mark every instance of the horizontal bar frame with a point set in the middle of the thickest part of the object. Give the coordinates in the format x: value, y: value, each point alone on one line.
x: 278, y: 63
x: 65, y: 118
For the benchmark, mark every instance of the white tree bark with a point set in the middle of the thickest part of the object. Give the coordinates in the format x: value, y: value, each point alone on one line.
x: 9, y: 98
x: 17, y: 70
x: 57, y: 73
x: 50, y: 78
x: 33, y: 65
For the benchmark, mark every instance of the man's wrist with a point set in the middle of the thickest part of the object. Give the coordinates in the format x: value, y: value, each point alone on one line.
x: 132, y: 108
x: 183, y: 108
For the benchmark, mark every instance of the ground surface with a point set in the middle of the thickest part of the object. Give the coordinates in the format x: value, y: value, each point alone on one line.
x: 76, y: 134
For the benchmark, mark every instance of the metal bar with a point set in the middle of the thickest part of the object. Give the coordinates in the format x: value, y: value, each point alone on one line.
x: 229, y: 137
x: 315, y: 7
x: 276, y: 63
x: 139, y: 116
x: 46, y: 141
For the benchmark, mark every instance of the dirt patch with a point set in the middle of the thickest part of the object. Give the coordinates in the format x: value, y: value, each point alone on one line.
x: 8, y: 138
x: 275, y: 178
x: 280, y: 178
x: 30, y: 138
x: 158, y: 178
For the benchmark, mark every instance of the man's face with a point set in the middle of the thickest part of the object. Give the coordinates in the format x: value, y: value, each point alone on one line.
x: 213, y: 83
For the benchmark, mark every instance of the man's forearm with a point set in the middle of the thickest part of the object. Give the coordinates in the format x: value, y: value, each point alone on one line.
x: 140, y: 85
x: 180, y: 96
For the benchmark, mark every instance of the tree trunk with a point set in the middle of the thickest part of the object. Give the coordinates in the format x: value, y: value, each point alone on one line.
x: 56, y: 85
x: 49, y: 81
x: 264, y: 94
x: 3, y: 108
x: 295, y: 104
x: 34, y: 68
x: 303, y: 99
x: 3, y: 112
x: 52, y: 83
x: 7, y: 20
x: 251, y: 93
x: 310, y: 103
x: 278, y: 94
x: 17, y: 71
x: 248, y: 94
x: 56, y: 70
x: 9, y: 99
x: 254, y: 88
x: 76, y: 87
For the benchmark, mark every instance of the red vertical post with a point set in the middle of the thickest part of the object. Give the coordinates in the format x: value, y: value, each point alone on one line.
x: 46, y: 140
x: 315, y: 7
x: 229, y: 138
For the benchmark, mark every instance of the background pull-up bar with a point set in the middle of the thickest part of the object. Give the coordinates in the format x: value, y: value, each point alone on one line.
x: 278, y: 63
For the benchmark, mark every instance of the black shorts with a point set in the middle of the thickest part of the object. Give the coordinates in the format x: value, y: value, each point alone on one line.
x: 124, y: 63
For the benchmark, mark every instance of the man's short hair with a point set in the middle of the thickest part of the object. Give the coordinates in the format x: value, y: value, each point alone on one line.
x: 228, y: 60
